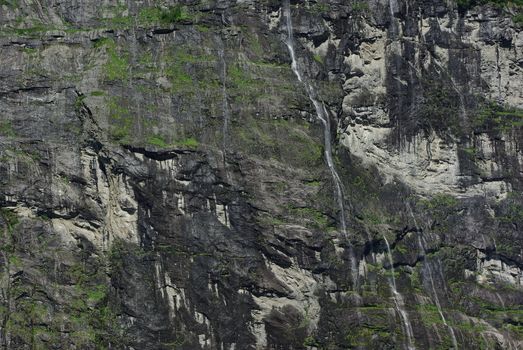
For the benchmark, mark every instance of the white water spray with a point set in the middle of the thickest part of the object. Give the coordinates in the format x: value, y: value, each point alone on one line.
x: 421, y: 246
x: 322, y: 114
x: 398, y: 300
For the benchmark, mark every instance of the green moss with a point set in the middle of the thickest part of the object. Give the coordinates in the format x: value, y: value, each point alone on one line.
x: 147, y: 16
x: 174, y: 14
x: 471, y: 151
x: 319, y: 8
x: 120, y: 120
x: 157, y: 141
x: 15, y: 260
x: 471, y: 327
x: 513, y: 213
x: 360, y: 6
x: 279, y: 139
x: 429, y: 314
x: 29, y: 50
x: 189, y: 142
x: 373, y: 217
x: 440, y: 201
x: 9, y: 3
x: 6, y: 129
x: 97, y: 294
x: 311, y: 341
x: 97, y: 93
x: 318, y: 58
x: 240, y: 77
x: 312, y: 216
x: 170, y: 15
x: 369, y: 336
x: 182, y: 68
x: 415, y: 278
x: 10, y: 218
x: 117, y: 66
x: 102, y: 42
x: 38, y: 28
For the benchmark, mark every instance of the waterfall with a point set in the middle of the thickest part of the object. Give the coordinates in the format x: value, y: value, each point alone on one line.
x: 321, y: 113
x: 225, y: 103
x: 421, y: 245
x: 398, y: 300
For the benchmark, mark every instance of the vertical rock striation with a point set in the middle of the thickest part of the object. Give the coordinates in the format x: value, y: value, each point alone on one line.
x: 203, y: 175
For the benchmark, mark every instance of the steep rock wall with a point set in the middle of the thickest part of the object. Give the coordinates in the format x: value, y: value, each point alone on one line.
x: 164, y: 186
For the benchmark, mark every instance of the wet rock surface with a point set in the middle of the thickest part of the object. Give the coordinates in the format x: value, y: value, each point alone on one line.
x: 164, y: 185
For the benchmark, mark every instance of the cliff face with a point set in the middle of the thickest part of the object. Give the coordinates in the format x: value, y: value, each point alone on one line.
x: 165, y: 180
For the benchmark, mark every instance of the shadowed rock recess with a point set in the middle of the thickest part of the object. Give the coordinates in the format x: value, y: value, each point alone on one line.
x: 240, y: 174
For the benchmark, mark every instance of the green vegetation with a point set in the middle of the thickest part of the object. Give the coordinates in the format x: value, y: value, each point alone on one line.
x: 9, y: 218
x: 117, y: 66
x: 318, y: 58
x: 120, y: 120
x: 163, y: 16
x: 9, y: 3
x: 148, y: 16
x: 366, y: 335
x: 312, y: 216
x: 320, y: 7
x: 512, y: 210
x: 189, y: 142
x: 158, y: 141
x: 440, y: 103
x: 280, y: 139
x: 240, y: 77
x: 429, y: 314
x: 493, y: 116
x: 360, y: 6
x: 311, y: 341
x: 177, y: 66
x: 97, y: 93
x: 6, y: 129
x: 29, y: 50
x: 470, y: 151
x: 440, y: 201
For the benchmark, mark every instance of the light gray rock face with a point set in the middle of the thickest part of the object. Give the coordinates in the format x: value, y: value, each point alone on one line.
x: 163, y: 181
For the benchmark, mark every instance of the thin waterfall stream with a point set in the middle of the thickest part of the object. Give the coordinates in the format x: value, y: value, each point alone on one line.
x: 398, y: 300
x: 321, y: 113
x: 421, y: 246
x: 225, y: 103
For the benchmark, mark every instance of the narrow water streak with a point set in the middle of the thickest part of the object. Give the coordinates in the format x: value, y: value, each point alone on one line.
x: 398, y: 300
x: 321, y: 113
x: 421, y: 246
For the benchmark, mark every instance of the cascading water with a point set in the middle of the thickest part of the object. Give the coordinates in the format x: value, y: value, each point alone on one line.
x: 398, y: 300
x: 421, y: 246
x: 322, y: 114
x: 225, y: 103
